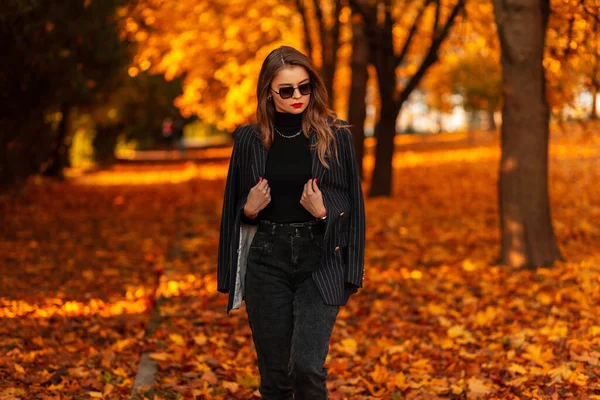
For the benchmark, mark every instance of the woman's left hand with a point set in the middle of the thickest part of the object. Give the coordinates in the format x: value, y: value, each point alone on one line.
x: 312, y: 199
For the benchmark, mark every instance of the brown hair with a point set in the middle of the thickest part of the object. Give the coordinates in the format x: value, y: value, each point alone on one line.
x: 317, y: 116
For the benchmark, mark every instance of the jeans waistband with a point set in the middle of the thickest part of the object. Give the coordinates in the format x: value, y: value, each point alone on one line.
x: 297, y: 228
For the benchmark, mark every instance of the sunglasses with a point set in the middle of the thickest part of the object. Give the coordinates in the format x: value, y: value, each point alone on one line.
x: 288, y: 91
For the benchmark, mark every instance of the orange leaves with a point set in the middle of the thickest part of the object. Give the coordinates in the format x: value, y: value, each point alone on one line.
x: 349, y: 346
x: 434, y: 320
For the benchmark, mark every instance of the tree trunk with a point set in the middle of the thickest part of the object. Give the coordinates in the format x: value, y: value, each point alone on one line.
x: 525, y: 222
x: 329, y: 46
x: 381, y: 47
x: 357, y: 110
x: 379, y: 28
x: 105, y: 143
x: 385, y: 132
x: 60, y: 148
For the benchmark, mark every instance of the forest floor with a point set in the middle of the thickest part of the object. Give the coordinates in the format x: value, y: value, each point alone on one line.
x: 85, y: 263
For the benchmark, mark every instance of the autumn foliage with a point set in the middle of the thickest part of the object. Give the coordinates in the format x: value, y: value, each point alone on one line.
x: 85, y: 262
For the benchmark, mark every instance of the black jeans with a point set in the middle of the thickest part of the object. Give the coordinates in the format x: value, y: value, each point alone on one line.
x: 291, y: 325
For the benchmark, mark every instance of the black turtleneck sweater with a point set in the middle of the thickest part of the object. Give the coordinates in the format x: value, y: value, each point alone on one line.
x: 288, y: 169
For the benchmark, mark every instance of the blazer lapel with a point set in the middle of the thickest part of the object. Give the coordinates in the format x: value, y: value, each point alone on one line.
x: 317, y: 167
x: 259, y: 161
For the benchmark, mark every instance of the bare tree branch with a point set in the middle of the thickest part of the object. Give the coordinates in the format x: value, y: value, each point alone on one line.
x: 436, y: 20
x: 432, y: 55
x: 413, y: 30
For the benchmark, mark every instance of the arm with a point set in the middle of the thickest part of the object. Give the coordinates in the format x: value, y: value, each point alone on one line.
x: 357, y: 223
x: 229, y: 213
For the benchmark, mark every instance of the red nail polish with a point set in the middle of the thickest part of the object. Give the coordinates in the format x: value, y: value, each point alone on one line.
x: 316, y: 180
x: 260, y: 178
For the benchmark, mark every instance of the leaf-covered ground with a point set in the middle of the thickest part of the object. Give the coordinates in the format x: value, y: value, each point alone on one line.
x: 82, y: 263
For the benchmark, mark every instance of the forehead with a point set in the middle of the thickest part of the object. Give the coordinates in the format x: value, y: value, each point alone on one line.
x: 292, y: 75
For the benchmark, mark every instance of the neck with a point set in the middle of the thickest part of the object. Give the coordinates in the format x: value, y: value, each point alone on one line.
x: 287, y: 122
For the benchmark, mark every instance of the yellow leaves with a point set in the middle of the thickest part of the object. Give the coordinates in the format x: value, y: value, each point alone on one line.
x: 380, y: 374
x: 421, y: 367
x: 469, y: 266
x: 478, y: 387
x: 460, y: 334
x: 232, y: 387
x: 160, y: 356
x: 538, y: 355
x: 544, y: 298
x: 399, y: 381
x: 517, y: 369
x: 487, y: 317
x: 19, y: 369
x: 133, y: 71
x: 121, y: 345
x: 200, y: 340
x: 349, y: 346
x: 177, y: 339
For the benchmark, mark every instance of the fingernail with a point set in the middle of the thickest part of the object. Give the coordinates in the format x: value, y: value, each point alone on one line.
x: 260, y: 178
x: 316, y: 180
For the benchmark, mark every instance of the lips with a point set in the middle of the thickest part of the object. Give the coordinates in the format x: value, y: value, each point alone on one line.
x: 297, y: 105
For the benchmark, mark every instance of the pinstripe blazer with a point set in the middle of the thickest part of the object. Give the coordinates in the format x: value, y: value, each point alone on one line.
x: 342, y: 262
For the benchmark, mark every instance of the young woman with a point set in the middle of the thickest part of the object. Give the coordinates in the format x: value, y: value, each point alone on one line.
x: 293, y: 226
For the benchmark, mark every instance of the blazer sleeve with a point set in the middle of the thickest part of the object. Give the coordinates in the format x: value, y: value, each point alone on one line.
x: 357, y: 223
x: 229, y: 218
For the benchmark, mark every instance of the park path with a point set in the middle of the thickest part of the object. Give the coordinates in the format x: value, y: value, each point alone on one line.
x: 85, y: 262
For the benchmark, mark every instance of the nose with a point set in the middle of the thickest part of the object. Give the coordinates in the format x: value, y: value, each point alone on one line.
x: 297, y: 93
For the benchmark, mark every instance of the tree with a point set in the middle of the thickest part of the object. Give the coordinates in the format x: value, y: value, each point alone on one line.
x: 358, y: 90
x: 135, y: 111
x: 328, y: 28
x: 525, y: 221
x: 218, y: 45
x: 405, y: 63
x: 57, y: 57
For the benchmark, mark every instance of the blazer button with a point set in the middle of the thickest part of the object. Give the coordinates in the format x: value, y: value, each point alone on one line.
x: 342, y: 214
x: 337, y: 248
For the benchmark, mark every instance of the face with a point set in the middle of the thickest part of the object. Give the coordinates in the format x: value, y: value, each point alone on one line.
x: 293, y: 76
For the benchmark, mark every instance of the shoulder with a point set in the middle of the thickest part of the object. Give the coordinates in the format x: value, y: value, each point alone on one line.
x: 341, y: 130
x: 245, y: 133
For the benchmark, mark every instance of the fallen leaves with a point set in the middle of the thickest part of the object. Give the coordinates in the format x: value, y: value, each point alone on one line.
x: 435, y: 319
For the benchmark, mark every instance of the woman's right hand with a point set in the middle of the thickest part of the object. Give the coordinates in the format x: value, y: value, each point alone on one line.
x: 258, y: 198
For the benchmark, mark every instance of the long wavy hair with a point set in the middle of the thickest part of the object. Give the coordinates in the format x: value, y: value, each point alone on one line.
x: 318, y: 117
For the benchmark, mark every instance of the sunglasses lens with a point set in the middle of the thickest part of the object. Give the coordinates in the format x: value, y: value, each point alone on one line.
x: 305, y: 88
x: 286, y: 92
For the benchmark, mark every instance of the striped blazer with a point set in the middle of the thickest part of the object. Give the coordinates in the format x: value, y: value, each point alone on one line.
x: 342, y: 263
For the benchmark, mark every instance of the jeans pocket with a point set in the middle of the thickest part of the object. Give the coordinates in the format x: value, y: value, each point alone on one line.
x: 259, y: 241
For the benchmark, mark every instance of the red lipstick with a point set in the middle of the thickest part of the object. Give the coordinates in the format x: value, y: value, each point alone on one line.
x: 297, y: 105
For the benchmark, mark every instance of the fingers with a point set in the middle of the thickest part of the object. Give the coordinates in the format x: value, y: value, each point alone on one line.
x: 308, y: 188
x: 315, y: 188
x: 262, y: 182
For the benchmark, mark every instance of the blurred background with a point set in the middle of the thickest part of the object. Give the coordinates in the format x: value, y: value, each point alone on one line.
x: 86, y: 83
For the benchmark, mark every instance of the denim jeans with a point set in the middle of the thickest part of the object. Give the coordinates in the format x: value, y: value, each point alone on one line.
x: 291, y: 325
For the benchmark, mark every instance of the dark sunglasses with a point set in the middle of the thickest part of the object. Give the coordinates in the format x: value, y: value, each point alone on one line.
x: 288, y: 91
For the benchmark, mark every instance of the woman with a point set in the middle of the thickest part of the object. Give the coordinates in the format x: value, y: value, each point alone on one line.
x: 292, y: 228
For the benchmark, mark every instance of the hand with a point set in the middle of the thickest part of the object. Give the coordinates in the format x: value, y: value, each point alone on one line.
x: 312, y: 199
x: 258, y: 198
